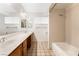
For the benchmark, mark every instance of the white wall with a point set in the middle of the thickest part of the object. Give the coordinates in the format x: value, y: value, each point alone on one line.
x: 68, y: 25
x: 56, y: 26
x: 41, y: 20
x: 2, y: 26
x: 72, y: 24
x: 41, y: 28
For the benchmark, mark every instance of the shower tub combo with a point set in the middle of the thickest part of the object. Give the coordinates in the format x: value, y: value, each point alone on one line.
x: 64, y: 49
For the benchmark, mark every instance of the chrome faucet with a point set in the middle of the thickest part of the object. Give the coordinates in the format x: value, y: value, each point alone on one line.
x: 2, y: 39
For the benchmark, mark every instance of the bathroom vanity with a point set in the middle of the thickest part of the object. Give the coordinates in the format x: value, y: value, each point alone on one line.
x: 17, y: 45
x: 22, y: 49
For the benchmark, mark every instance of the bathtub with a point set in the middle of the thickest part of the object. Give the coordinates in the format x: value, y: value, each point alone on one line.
x: 64, y: 49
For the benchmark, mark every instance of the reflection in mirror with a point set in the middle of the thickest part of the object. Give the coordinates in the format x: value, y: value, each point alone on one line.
x: 9, y: 24
x: 14, y: 24
x: 23, y: 23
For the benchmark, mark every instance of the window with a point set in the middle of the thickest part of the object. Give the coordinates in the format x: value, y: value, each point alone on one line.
x: 12, y: 20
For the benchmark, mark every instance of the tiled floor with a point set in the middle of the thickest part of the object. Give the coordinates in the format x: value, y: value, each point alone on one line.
x: 40, y: 49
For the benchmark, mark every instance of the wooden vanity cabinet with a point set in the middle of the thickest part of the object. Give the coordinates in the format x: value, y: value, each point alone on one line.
x: 24, y: 44
x: 22, y: 49
x: 17, y: 51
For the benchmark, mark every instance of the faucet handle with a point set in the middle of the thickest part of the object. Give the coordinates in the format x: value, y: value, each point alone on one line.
x: 0, y: 40
x: 3, y: 39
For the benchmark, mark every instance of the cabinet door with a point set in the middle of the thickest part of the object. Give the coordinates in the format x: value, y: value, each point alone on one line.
x: 28, y: 42
x: 25, y: 48
x: 17, y: 51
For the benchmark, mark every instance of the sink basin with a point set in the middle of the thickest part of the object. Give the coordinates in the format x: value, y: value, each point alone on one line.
x: 11, y: 43
x: 5, y: 47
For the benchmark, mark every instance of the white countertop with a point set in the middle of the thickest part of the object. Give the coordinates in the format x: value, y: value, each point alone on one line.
x: 12, y: 42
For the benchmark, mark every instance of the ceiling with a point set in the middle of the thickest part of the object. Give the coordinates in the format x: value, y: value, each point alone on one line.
x: 37, y: 9
x: 31, y: 9
x: 61, y: 5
